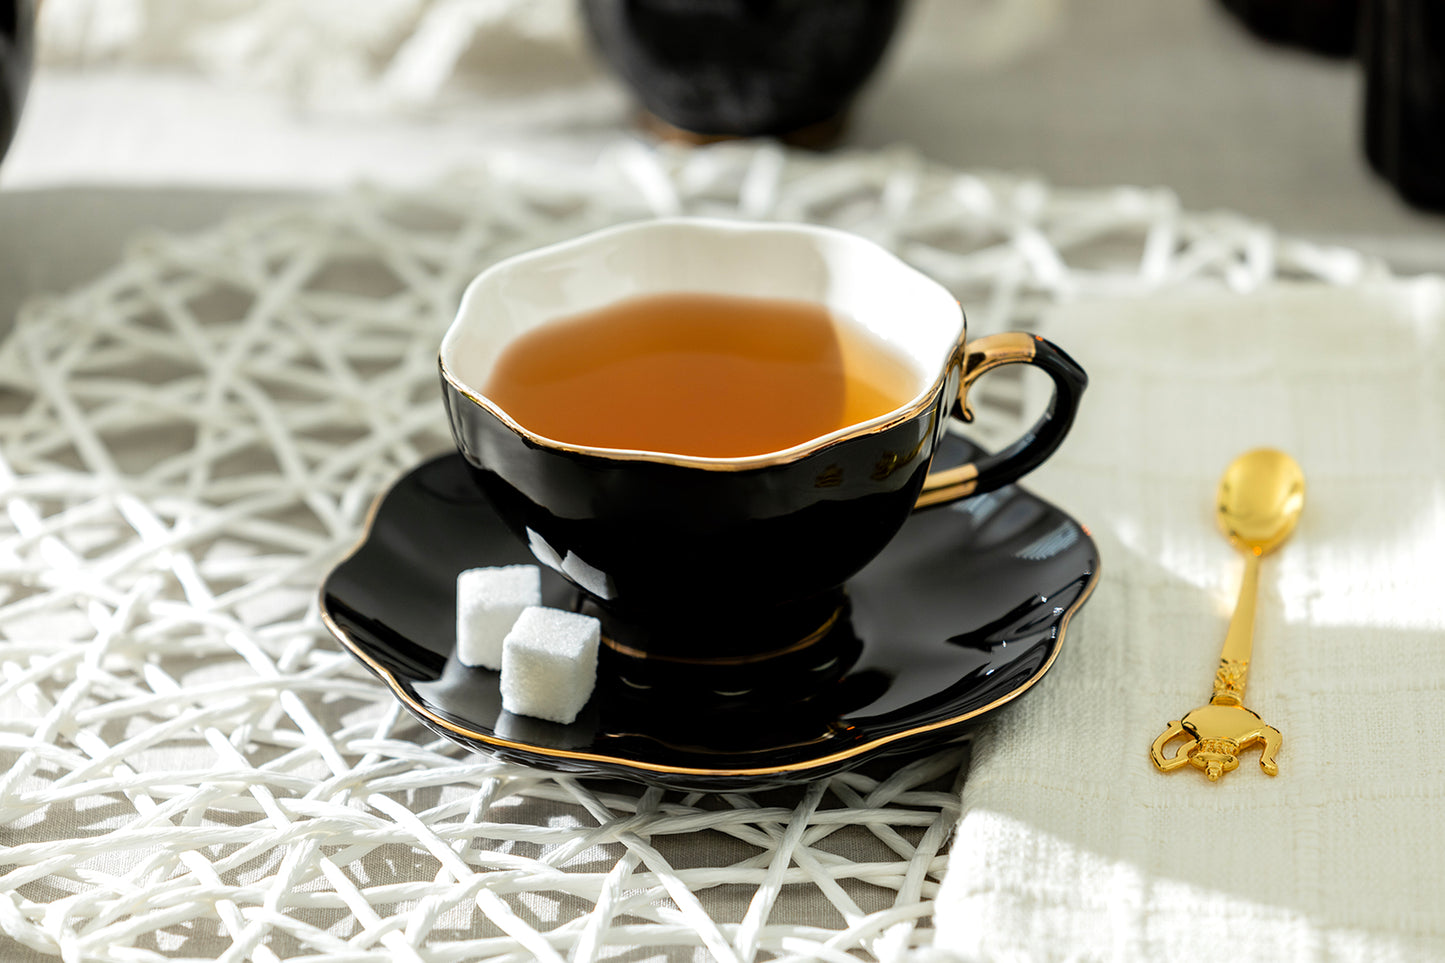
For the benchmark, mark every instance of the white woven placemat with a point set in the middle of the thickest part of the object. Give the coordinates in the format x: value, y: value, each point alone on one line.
x: 193, y: 769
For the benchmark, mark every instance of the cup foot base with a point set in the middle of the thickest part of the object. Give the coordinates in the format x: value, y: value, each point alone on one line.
x: 789, y: 652
x: 781, y: 645
x: 821, y: 135
x: 789, y: 670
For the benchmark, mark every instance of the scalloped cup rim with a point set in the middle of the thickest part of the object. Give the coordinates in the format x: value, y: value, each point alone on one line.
x: 947, y: 350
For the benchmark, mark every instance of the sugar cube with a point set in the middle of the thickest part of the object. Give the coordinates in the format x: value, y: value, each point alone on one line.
x: 549, y: 664
x: 489, y: 600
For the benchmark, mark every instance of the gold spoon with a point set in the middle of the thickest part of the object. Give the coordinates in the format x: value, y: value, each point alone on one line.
x: 1260, y: 499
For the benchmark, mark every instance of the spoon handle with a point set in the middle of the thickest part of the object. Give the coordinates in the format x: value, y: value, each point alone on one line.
x: 1239, y: 642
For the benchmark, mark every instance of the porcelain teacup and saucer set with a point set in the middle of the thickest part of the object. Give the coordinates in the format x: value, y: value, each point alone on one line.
x: 773, y: 607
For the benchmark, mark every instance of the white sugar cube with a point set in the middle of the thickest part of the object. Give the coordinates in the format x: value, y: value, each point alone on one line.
x: 549, y: 664
x: 489, y: 600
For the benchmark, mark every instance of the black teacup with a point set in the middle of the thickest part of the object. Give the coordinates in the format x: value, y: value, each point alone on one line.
x: 744, y: 68
x: 17, y: 19
x: 766, y: 540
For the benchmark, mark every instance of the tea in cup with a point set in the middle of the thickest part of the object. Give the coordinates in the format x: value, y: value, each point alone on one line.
x: 708, y: 426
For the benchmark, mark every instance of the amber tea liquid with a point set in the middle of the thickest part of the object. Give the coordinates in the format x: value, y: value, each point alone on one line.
x: 699, y: 374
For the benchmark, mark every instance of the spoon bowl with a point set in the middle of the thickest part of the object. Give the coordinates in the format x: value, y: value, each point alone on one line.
x: 1261, y: 496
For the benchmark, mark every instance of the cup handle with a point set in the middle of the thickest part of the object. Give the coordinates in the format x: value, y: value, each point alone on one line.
x: 1037, y: 444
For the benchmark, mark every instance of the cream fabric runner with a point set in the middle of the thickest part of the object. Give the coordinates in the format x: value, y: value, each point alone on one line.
x: 1071, y: 845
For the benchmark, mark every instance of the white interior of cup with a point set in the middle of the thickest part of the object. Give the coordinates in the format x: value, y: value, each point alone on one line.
x: 848, y: 274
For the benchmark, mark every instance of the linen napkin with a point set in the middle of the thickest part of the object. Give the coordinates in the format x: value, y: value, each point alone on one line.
x: 1071, y: 845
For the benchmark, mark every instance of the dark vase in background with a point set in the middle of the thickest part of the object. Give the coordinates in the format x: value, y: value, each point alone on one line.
x: 1402, y: 48
x: 1324, y: 26
x: 17, y: 22
x: 743, y: 68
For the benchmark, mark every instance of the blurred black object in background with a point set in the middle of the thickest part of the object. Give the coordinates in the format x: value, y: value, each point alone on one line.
x: 1324, y: 26
x: 1402, y: 48
x: 743, y: 68
x: 17, y: 22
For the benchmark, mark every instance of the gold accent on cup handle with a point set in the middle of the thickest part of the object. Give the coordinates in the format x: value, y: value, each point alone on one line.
x: 993, y: 471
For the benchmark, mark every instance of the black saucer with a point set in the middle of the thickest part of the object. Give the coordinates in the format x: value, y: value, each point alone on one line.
x: 964, y: 611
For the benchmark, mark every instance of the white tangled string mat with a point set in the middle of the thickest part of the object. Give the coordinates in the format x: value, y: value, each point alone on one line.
x: 193, y: 769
